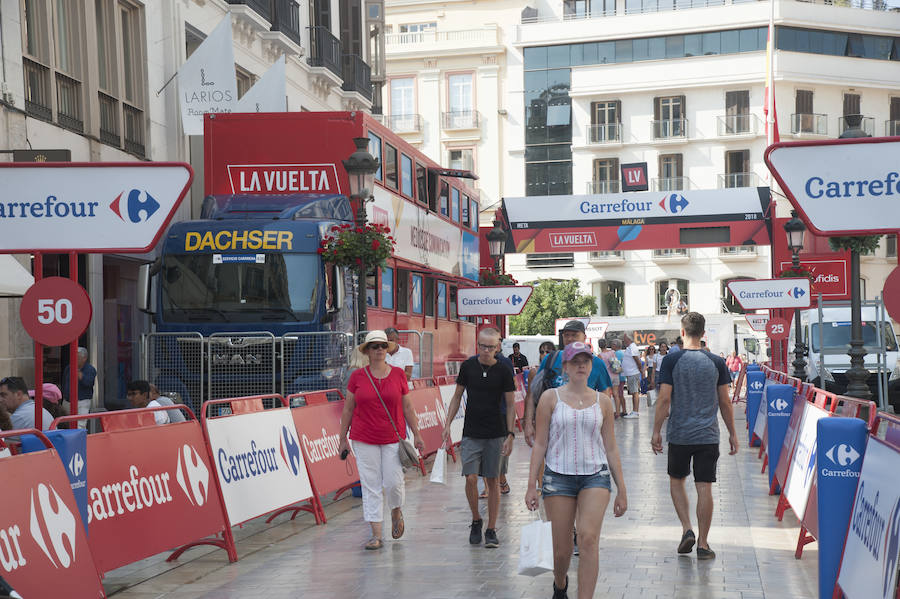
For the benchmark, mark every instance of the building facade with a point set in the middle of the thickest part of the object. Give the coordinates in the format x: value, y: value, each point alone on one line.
x: 593, y: 84
x: 95, y: 78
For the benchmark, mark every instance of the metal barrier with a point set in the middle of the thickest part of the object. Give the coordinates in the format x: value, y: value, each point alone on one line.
x: 421, y: 344
x: 241, y: 364
x: 313, y: 361
x: 175, y: 363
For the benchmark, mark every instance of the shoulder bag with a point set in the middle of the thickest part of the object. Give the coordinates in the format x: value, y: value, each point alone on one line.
x: 409, y: 457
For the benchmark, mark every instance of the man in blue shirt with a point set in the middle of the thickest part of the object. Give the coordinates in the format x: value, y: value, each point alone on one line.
x: 86, y: 376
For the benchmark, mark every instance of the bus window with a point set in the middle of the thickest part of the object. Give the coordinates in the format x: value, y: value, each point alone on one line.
x: 452, y: 302
x: 464, y: 205
x: 454, y: 204
x: 406, y: 183
x: 429, y: 296
x: 371, y: 289
x: 390, y: 166
x: 416, y: 294
x: 474, y: 213
x: 402, y: 290
x: 442, y: 299
x: 387, y: 288
x: 421, y: 184
x: 444, y: 199
x: 375, y: 149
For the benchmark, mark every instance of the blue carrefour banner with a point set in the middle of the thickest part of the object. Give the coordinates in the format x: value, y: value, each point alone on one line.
x: 755, y: 382
x: 71, y: 446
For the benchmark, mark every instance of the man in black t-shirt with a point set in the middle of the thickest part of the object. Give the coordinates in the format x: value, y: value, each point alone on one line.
x: 518, y: 358
x: 487, y: 432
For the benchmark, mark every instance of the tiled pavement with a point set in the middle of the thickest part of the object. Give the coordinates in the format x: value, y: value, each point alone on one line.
x: 434, y: 560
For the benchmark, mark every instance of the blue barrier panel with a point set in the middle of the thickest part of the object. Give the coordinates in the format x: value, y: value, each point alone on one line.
x: 71, y: 445
x: 779, y: 405
x: 841, y: 444
x: 753, y: 368
x: 755, y: 382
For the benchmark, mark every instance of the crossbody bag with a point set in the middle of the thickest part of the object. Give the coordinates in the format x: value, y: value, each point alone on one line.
x: 409, y: 457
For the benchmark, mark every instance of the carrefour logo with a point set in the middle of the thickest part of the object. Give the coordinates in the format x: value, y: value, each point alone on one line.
x: 778, y: 405
x: 52, y: 526
x: 843, y: 454
x: 192, y: 475
x: 290, y: 450
x: 674, y: 203
x: 76, y: 464
x: 137, y: 210
x: 891, y: 551
x: 756, y: 385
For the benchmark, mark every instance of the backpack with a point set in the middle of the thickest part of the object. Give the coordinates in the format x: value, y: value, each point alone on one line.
x: 544, y: 377
x: 615, y: 365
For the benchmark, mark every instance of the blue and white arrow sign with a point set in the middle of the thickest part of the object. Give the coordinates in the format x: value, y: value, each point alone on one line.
x: 492, y: 301
x: 756, y: 294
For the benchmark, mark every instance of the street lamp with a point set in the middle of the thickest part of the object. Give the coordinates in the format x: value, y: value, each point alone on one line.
x: 361, y: 167
x: 795, y: 231
x: 496, y: 238
x: 857, y: 375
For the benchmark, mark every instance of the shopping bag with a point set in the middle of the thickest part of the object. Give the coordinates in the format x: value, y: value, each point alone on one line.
x: 439, y: 468
x: 536, y: 549
x: 651, y: 397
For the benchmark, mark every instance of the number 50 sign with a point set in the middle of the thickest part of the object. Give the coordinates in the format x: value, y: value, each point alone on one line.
x: 55, y: 311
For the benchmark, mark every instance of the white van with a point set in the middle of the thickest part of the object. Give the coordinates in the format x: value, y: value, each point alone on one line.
x: 827, y: 347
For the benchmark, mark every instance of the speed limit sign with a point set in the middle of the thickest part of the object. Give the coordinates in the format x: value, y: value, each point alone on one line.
x: 55, y: 311
x: 778, y: 329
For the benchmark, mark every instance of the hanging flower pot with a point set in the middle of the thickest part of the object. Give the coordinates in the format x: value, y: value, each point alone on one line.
x: 488, y: 277
x: 349, y: 245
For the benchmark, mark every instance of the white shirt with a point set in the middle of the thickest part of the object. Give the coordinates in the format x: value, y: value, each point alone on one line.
x: 629, y: 368
x: 161, y: 417
x: 401, y: 359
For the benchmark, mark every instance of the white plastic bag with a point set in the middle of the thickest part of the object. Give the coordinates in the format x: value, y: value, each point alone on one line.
x: 652, y: 394
x: 439, y: 468
x: 536, y: 549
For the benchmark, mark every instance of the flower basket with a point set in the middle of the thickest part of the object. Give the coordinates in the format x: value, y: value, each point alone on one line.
x: 797, y: 273
x: 488, y: 277
x: 349, y: 245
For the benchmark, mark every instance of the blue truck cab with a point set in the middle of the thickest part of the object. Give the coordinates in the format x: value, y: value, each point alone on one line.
x: 244, y: 303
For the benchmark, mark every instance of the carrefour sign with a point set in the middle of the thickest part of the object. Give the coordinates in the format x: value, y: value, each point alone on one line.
x: 759, y: 294
x: 89, y: 207
x: 484, y: 301
x: 841, y: 187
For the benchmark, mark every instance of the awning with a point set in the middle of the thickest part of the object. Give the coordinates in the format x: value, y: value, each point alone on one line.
x: 14, y: 278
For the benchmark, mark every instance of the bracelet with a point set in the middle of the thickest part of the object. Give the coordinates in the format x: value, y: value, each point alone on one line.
x: 511, y: 434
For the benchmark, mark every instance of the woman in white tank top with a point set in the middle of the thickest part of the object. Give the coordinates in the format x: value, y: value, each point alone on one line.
x: 574, y: 434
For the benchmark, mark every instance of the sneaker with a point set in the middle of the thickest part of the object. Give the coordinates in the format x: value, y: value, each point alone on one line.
x: 687, y: 542
x: 631, y: 415
x: 475, y: 532
x: 490, y: 538
x: 705, y: 553
x: 575, y: 544
x: 561, y: 593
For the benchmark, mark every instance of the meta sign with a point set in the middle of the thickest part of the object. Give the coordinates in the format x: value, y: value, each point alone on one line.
x: 507, y: 300
x: 760, y: 294
x: 639, y: 220
x: 842, y: 186
x: 89, y: 207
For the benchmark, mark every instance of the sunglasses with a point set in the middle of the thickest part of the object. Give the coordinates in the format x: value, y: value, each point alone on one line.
x: 377, y: 346
x: 486, y: 347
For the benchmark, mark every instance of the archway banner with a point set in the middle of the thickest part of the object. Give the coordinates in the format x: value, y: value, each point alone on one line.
x: 640, y: 220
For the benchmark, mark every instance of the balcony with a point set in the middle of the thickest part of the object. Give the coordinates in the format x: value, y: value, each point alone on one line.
x: 134, y: 130
x: 738, y: 253
x: 607, y: 257
x: 357, y: 76
x: 460, y: 120
x: 809, y: 124
x: 604, y: 134
x: 672, y: 256
x: 401, y: 123
x: 433, y: 42
x: 727, y: 180
x: 286, y: 19
x: 670, y: 129
x: 737, y: 124
x: 550, y: 260
x: 37, y: 90
x: 599, y: 187
x: 109, y: 120
x: 891, y: 128
x: 68, y: 103
x: 671, y: 183
x: 261, y: 7
x: 324, y: 50
x: 852, y: 121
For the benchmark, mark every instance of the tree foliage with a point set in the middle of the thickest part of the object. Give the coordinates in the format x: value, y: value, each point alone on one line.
x: 549, y: 301
x: 864, y: 244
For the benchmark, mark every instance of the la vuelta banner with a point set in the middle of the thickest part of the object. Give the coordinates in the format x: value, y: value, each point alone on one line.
x: 640, y: 220
x: 43, y: 547
x: 149, y: 489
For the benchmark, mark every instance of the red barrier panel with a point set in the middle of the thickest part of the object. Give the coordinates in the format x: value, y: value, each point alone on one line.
x: 739, y: 384
x: 430, y: 414
x: 44, y: 551
x: 779, y: 477
x: 151, y: 489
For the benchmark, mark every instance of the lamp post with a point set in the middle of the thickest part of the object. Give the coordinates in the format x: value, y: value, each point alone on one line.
x: 795, y: 231
x: 857, y: 375
x: 361, y: 167
x: 496, y: 238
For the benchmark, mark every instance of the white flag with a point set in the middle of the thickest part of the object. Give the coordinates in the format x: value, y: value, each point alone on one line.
x: 269, y: 93
x: 206, y: 82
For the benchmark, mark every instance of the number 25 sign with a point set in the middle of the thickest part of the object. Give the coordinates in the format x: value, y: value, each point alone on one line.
x: 778, y: 329
x: 55, y: 311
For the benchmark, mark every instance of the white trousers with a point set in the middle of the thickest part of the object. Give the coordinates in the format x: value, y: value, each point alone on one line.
x: 84, y: 407
x: 379, y: 470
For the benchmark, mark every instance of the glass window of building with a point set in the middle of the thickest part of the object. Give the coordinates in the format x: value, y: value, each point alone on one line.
x: 606, y: 120
x: 459, y: 88
x: 803, y: 120
x: 610, y: 296
x: 672, y: 297
x: 461, y: 159
x: 669, y: 117
x: 737, y: 168
x: 737, y: 112
x: 893, y: 125
x: 671, y: 169
x: 403, y: 97
x: 606, y: 176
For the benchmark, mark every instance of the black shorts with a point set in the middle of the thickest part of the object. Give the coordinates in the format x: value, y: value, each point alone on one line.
x: 705, y: 457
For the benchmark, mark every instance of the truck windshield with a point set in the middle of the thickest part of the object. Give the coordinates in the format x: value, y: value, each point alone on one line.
x: 837, y: 334
x: 210, y: 288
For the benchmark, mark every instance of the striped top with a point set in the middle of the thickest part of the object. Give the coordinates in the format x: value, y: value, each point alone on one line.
x: 575, y: 445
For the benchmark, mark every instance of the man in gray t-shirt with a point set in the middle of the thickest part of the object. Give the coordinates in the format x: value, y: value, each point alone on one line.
x: 693, y: 389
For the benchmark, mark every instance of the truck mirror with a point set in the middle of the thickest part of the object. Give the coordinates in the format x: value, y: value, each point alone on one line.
x: 144, y: 288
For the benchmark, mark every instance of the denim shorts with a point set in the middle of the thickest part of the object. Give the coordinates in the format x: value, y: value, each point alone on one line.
x: 569, y: 485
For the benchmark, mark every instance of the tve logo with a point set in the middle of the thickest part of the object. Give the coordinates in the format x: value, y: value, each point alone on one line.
x: 290, y: 450
x: 76, y: 464
x: 192, y: 475
x: 51, y: 524
x: 138, y: 210
x: 674, y: 203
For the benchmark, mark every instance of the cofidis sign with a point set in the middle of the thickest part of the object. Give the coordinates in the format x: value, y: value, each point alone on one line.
x: 841, y: 187
x: 89, y: 207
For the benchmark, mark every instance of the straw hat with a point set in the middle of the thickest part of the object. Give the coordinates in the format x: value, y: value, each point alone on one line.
x: 375, y: 337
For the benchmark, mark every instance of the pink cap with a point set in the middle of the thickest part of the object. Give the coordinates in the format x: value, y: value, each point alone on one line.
x: 573, y: 349
x: 51, y: 393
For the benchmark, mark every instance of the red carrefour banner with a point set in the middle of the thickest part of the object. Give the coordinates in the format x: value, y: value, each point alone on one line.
x: 44, y: 551
x: 149, y: 489
x: 319, y: 429
x: 431, y: 414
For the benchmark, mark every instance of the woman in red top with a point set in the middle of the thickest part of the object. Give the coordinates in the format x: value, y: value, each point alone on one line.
x: 734, y: 363
x: 375, y: 442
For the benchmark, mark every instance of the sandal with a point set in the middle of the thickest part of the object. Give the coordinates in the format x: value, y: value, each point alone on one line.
x: 397, y: 526
x: 374, y: 543
x: 504, y: 488
x: 483, y: 495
